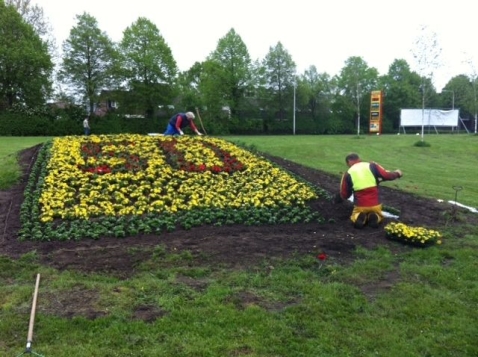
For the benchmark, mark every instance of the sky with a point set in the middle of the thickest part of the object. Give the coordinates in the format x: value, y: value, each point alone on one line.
x: 320, y: 33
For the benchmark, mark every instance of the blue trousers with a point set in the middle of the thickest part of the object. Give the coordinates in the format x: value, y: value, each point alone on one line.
x: 171, y: 130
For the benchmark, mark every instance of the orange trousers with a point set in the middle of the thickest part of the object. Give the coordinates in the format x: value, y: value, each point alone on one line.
x: 375, y: 209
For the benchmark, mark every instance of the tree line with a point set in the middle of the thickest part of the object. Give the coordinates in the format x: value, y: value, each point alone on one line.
x: 234, y: 93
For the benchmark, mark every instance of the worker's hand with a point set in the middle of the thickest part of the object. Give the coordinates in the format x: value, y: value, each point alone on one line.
x: 197, y: 132
x: 181, y: 132
x: 399, y: 172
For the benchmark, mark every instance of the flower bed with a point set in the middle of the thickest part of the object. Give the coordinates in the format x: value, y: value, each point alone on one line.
x: 417, y: 236
x: 128, y: 184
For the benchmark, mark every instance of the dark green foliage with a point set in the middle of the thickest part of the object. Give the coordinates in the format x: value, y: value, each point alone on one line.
x: 147, y: 66
x: 88, y: 59
x: 25, y: 64
x: 116, y: 124
x: 43, y: 120
x: 123, y: 226
x: 12, y: 124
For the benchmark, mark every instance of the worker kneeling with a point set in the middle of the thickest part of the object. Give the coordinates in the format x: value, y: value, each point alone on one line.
x: 361, y: 180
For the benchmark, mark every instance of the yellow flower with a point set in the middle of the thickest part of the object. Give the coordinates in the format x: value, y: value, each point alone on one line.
x: 72, y: 192
x: 416, y: 235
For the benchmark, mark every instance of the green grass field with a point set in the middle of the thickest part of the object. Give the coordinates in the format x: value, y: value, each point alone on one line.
x: 9, y: 147
x: 300, y: 310
x: 434, y: 171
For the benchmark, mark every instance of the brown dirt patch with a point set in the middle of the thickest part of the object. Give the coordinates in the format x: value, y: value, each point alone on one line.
x: 233, y: 246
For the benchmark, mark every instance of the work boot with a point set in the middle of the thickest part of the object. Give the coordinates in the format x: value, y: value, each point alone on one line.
x: 360, y: 221
x: 373, y: 220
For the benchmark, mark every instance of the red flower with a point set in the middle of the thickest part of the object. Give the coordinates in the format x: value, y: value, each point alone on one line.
x: 322, y: 256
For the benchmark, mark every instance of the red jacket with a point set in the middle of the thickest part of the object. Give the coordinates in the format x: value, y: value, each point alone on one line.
x: 366, y: 197
x: 180, y: 121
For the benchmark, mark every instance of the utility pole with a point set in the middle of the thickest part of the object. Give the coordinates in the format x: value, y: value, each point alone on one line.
x: 358, y: 109
x: 473, y: 78
x: 476, y: 121
x: 474, y: 100
x: 476, y: 116
x: 293, y: 115
x: 422, y: 89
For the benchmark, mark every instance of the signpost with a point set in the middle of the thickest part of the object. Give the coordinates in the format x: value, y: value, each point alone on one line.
x: 376, y: 112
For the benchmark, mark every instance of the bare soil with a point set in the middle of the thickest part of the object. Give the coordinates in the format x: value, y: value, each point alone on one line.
x: 233, y: 246
x: 230, y: 247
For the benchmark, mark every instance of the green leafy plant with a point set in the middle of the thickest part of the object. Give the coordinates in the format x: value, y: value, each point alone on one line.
x: 126, y: 185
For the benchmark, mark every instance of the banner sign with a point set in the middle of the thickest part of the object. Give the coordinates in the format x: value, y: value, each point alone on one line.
x: 376, y: 103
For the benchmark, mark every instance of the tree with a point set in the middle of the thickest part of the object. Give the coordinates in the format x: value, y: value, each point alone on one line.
x: 189, y: 83
x: 355, y: 82
x: 457, y: 94
x: 474, y: 78
x: 148, y: 66
x: 400, y: 86
x: 212, y: 87
x: 233, y: 71
x: 25, y: 65
x: 314, y: 88
x: 34, y: 15
x: 279, y: 77
x: 198, y: 87
x: 427, y: 56
x: 88, y: 55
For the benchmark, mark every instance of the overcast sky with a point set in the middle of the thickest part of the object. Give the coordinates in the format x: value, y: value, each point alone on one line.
x: 320, y: 33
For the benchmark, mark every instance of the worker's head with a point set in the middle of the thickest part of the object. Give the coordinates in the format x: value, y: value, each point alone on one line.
x: 351, y: 159
x: 190, y: 115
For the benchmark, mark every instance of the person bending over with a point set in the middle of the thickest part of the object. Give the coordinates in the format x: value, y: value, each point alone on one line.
x: 178, y: 122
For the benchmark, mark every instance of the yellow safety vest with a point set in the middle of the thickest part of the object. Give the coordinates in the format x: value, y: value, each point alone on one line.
x: 362, y: 176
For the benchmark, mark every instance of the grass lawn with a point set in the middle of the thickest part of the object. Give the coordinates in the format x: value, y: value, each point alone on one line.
x: 9, y: 146
x: 294, y: 309
x: 433, y: 171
